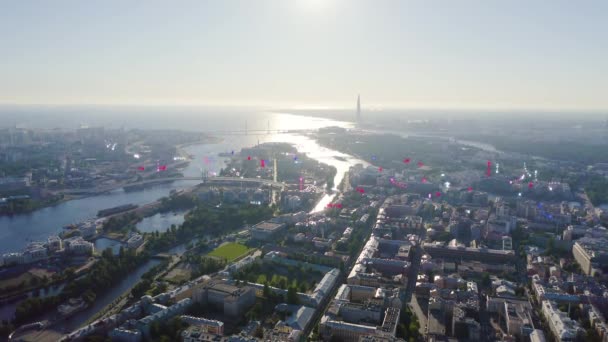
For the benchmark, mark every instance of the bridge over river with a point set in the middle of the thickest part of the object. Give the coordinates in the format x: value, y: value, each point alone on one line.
x: 207, y: 180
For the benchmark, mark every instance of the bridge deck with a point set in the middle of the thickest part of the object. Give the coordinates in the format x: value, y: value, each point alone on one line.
x: 172, y: 179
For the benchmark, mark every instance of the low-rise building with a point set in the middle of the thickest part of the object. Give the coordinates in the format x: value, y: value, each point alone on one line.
x: 135, y: 241
x: 163, y: 314
x: 54, y: 243
x: 537, y: 336
x: 486, y: 255
x: 15, y: 258
x: 77, y: 245
x: 344, y: 330
x: 87, y: 229
x: 208, y: 326
x: 125, y: 335
x: 518, y: 319
x: 591, y: 254
x: 35, y: 252
x: 563, y: 328
x: 322, y: 289
x: 266, y: 230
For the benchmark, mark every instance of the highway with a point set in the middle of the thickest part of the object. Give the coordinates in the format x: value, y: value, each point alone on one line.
x: 99, y: 190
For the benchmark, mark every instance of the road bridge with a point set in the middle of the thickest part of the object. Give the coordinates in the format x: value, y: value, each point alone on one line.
x: 208, y: 180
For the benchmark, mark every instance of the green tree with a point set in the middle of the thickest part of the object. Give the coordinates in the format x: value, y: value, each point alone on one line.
x: 485, y: 280
x: 292, y: 295
x: 266, y: 290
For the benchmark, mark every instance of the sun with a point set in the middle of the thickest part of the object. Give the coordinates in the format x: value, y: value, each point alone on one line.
x: 314, y: 5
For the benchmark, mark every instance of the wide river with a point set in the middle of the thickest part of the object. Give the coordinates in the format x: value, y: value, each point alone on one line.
x: 17, y: 231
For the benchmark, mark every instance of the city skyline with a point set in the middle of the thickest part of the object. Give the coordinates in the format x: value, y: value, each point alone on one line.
x: 307, y: 54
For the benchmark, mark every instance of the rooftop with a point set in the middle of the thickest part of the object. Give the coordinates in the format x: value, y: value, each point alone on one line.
x: 269, y: 226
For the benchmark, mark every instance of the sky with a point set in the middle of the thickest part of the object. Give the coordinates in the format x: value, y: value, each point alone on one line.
x: 546, y: 54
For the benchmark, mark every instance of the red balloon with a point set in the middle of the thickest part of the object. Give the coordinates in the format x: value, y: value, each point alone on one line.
x: 141, y: 168
x: 420, y: 164
x: 406, y: 160
x: 438, y: 194
x: 248, y: 157
x: 469, y: 189
x: 380, y: 169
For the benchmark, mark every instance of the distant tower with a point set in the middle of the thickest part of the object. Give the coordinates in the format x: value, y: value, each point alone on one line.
x: 358, y: 107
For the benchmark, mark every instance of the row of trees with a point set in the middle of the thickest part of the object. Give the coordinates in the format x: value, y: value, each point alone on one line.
x: 581, y: 152
x: 409, y: 326
x: 32, y: 307
x: 207, y: 265
x: 255, y: 273
x: 355, y: 242
x: 167, y: 331
x: 147, y: 280
x: 107, y: 271
x: 121, y: 222
x: 597, y: 189
x: 176, y: 203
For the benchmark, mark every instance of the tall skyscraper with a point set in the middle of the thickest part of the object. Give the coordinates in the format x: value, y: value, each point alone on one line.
x: 358, y: 107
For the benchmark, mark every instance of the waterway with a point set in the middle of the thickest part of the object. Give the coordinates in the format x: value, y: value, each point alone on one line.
x: 160, y: 222
x: 7, y: 309
x: 17, y: 231
x: 103, y: 300
x: 103, y: 243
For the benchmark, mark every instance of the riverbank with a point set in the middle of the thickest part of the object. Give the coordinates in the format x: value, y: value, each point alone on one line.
x: 30, y: 206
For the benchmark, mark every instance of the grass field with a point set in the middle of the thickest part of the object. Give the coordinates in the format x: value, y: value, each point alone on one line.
x: 230, y: 251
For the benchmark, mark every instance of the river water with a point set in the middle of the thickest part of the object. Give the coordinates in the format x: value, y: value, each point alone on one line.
x: 7, y: 309
x: 160, y: 222
x: 16, y: 231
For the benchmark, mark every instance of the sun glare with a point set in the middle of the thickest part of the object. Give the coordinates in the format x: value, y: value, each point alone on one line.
x: 314, y: 5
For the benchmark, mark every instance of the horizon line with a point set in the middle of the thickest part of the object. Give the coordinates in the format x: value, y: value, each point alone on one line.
x: 365, y: 108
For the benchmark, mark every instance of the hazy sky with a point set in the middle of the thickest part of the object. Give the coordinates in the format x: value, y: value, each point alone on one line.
x: 497, y: 54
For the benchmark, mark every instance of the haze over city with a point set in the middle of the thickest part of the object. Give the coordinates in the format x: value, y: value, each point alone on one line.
x: 307, y: 53
x: 303, y: 170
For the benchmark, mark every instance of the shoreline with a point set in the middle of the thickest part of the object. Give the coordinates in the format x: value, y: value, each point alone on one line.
x: 67, y: 198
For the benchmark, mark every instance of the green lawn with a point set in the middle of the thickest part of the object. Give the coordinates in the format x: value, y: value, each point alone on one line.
x: 230, y: 251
